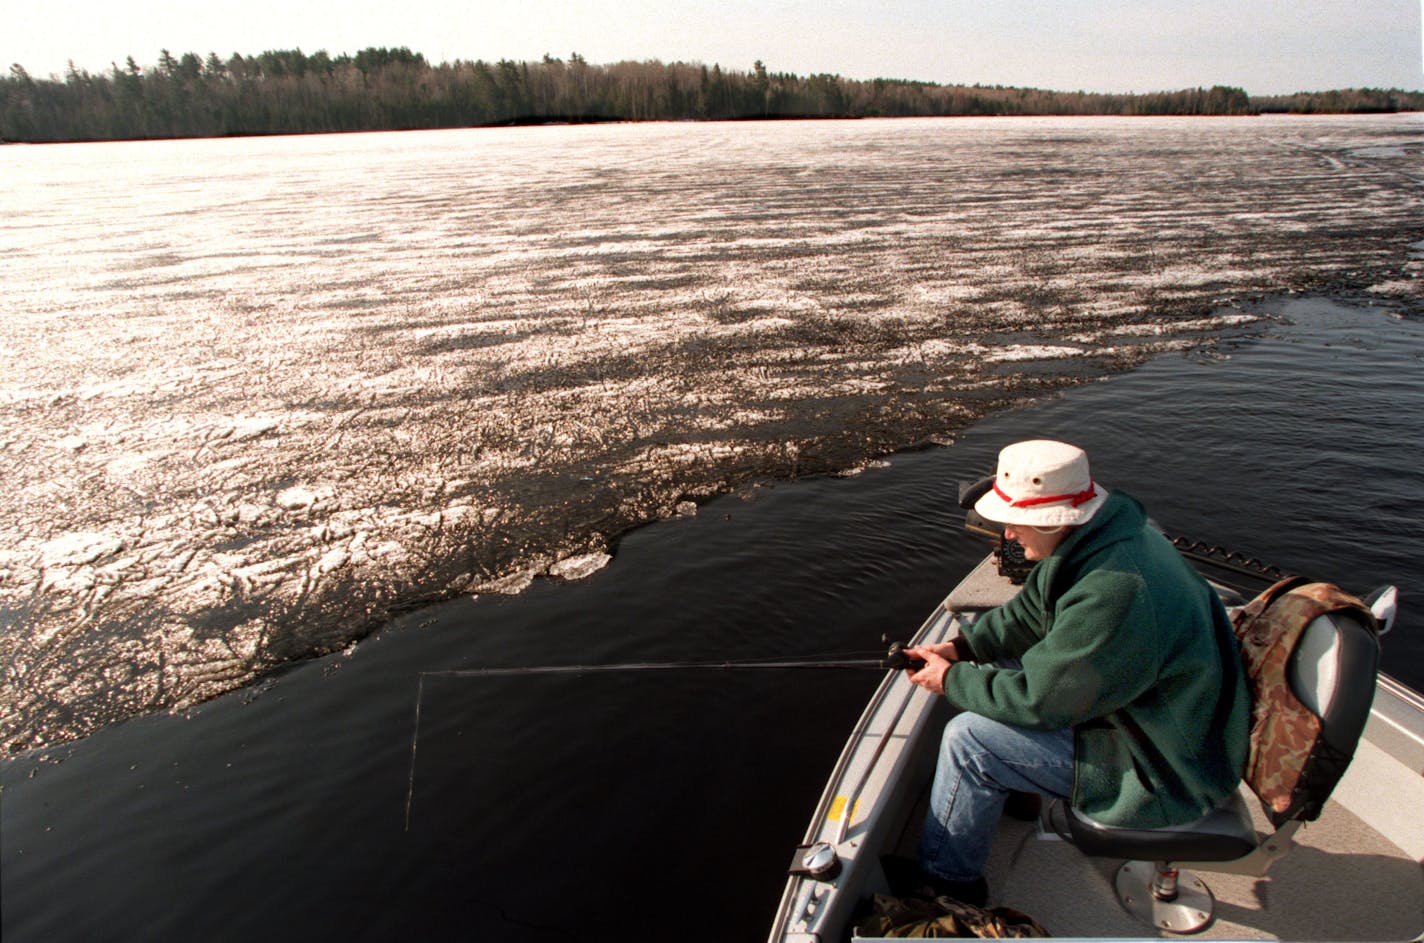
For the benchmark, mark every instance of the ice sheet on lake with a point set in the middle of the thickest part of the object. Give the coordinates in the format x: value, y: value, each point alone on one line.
x: 257, y: 394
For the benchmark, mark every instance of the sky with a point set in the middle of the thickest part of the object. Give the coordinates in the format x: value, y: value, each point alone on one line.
x: 1264, y: 46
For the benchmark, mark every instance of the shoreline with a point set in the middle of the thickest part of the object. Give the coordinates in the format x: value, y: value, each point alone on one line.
x: 595, y: 121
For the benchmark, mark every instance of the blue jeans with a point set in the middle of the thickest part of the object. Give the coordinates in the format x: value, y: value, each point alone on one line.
x: 980, y: 762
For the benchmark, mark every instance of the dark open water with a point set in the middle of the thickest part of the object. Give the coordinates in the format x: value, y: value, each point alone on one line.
x: 666, y: 804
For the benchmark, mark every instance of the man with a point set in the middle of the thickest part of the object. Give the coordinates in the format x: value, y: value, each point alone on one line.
x: 1111, y: 679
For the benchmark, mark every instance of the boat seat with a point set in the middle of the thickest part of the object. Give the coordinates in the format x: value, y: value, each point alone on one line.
x: 1333, y: 671
x: 1223, y: 834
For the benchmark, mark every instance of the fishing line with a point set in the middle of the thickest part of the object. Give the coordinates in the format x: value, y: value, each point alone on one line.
x: 834, y: 662
x: 414, y: 739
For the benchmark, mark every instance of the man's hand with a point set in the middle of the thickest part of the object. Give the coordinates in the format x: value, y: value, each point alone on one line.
x: 937, y: 659
x: 946, y: 650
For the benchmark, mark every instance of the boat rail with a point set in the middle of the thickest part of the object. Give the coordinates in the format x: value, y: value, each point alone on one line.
x: 941, y: 616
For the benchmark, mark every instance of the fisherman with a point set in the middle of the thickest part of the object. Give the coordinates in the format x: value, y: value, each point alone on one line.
x: 1111, y: 679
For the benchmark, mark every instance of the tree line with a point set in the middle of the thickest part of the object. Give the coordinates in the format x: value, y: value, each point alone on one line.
x: 290, y: 92
x: 1342, y: 101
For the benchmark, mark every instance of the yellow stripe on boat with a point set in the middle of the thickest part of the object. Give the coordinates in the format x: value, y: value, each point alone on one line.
x: 838, y: 805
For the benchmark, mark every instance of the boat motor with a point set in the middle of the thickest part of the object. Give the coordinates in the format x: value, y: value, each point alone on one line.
x: 1009, y: 554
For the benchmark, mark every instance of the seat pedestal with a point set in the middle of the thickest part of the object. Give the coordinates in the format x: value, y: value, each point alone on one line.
x: 1141, y: 892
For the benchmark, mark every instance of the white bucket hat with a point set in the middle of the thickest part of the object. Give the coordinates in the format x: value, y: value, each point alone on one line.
x: 1042, y: 483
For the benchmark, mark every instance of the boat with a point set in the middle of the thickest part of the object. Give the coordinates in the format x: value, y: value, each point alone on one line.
x: 1354, y: 873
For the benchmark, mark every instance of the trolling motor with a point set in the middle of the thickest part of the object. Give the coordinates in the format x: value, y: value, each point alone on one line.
x: 1013, y: 565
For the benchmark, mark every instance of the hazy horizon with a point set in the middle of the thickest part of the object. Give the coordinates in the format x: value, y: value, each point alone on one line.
x: 1108, y: 46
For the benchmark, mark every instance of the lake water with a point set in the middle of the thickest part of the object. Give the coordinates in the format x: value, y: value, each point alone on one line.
x: 554, y: 807
x: 258, y: 395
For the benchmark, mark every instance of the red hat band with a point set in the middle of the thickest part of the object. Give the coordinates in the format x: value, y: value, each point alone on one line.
x: 1076, y: 499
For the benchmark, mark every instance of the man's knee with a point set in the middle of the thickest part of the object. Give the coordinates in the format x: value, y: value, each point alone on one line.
x: 961, y: 737
x: 1005, y: 757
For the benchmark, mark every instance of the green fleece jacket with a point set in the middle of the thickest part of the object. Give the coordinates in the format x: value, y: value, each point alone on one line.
x: 1122, y: 640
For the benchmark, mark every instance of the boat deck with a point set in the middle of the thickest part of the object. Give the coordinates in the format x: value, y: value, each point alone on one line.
x: 1343, y: 880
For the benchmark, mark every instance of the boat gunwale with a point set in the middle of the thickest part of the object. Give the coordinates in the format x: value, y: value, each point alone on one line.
x: 792, y: 891
x: 944, y: 618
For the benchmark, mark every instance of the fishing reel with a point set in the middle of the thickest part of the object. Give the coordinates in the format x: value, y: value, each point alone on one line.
x: 897, y: 659
x: 1013, y: 565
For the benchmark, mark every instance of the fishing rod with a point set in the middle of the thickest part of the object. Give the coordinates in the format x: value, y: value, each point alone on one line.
x: 895, y: 659
x: 1226, y: 559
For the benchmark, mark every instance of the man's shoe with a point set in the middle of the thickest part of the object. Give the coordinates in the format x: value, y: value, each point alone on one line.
x: 907, y: 879
x: 1023, y: 806
x: 974, y: 892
